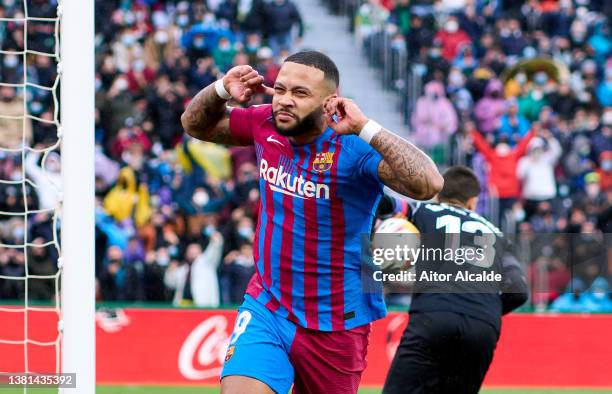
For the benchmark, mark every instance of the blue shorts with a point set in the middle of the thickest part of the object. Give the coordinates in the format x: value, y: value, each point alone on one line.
x: 267, y: 347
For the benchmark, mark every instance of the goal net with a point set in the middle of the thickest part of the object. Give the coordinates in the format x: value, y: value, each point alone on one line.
x: 46, y: 213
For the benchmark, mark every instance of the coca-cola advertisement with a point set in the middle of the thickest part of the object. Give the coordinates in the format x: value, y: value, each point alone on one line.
x: 188, y: 347
x: 169, y: 346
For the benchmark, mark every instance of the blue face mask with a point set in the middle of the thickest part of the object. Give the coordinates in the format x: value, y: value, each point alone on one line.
x: 18, y: 234
x: 163, y: 260
x: 209, y: 230
x: 198, y: 42
x: 182, y: 20
x: 245, y: 232
x: 11, y: 61
x: 128, y: 40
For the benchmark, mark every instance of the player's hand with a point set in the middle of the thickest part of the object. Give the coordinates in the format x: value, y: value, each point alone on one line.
x: 349, y: 118
x: 243, y: 81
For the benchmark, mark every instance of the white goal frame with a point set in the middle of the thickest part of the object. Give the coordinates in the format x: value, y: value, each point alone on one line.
x: 77, y: 220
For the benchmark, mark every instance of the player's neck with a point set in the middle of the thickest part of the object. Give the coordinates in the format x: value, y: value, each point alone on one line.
x: 454, y: 202
x: 307, y: 138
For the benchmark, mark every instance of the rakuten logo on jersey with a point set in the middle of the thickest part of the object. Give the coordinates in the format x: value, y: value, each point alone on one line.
x: 286, y: 183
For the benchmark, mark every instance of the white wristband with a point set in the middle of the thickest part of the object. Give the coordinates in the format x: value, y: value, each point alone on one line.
x: 369, y: 131
x: 220, y: 89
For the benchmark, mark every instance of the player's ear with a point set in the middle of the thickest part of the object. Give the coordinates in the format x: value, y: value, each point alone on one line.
x: 330, y: 97
x: 326, y: 101
x: 471, y: 203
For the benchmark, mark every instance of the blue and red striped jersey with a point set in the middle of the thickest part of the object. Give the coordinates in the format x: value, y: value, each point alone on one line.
x: 316, y: 201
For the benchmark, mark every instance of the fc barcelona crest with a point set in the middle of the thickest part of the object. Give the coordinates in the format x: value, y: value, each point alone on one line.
x: 230, y: 353
x: 323, y: 161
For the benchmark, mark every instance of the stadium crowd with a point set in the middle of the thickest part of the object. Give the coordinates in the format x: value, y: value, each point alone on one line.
x: 523, y: 92
x: 175, y: 217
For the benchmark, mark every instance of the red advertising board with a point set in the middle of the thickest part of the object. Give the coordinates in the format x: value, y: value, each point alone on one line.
x: 172, y: 346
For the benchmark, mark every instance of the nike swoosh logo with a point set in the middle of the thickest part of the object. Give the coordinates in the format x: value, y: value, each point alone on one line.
x: 271, y: 139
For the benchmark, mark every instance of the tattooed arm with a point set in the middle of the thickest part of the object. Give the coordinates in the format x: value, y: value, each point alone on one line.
x: 404, y: 168
x: 207, y: 117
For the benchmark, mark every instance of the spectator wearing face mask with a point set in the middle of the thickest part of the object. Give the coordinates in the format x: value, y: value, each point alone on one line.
x: 452, y: 38
x: 465, y: 60
x: 511, y: 37
x: 12, y: 67
x: 597, y: 298
x: 127, y: 138
x: 195, y: 281
x: 490, y: 108
x: 531, y: 104
x: 153, y: 274
x: 120, y: 281
x: 237, y: 270
x: 434, y: 119
x: 437, y: 66
x: 139, y: 76
x: 224, y: 54
x: 198, y: 47
x: 513, y: 126
x: 605, y: 171
x: 536, y: 171
x: 592, y: 197
x: 503, y: 161
x: 48, y: 180
x: 126, y: 49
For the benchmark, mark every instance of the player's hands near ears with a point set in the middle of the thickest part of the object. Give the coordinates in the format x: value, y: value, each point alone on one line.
x: 244, y: 81
x: 349, y: 118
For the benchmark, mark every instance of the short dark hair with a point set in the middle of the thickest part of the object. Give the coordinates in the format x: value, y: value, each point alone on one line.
x: 318, y: 60
x: 460, y: 184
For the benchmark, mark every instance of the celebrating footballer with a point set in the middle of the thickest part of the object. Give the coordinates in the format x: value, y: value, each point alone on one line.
x: 322, y: 164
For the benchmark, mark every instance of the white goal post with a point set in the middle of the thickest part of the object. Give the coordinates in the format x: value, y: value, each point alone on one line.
x: 77, y: 224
